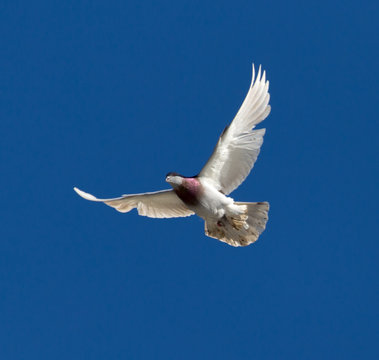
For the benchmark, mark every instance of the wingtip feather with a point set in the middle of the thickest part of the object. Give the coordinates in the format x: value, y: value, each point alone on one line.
x: 253, y: 76
x: 85, y: 195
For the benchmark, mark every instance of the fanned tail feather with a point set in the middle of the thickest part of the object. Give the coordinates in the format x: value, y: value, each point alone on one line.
x: 240, y: 230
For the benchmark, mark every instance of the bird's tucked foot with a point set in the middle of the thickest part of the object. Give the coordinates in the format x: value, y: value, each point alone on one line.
x: 239, y: 222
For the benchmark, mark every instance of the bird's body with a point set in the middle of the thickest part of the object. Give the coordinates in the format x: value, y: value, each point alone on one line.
x: 225, y: 219
x: 206, y: 194
x: 202, y: 198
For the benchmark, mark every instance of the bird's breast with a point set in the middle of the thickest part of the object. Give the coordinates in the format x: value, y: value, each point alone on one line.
x: 190, y: 191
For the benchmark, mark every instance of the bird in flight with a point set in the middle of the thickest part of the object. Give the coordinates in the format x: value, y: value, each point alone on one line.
x: 206, y: 194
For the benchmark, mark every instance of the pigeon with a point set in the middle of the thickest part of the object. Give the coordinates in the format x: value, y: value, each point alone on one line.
x: 206, y: 194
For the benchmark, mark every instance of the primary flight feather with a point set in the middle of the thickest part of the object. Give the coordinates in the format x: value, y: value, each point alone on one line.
x: 235, y: 223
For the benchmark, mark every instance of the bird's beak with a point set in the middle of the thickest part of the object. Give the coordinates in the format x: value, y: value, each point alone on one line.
x: 174, y: 180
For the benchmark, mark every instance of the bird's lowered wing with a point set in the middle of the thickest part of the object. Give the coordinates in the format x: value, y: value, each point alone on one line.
x: 238, y: 146
x: 159, y: 204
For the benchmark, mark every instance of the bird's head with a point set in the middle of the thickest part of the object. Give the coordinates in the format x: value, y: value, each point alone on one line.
x: 174, y: 179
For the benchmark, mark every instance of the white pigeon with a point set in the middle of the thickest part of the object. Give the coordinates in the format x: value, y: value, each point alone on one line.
x: 235, y: 223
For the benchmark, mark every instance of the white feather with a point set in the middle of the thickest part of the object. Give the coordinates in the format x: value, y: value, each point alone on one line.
x: 159, y: 204
x: 238, y: 146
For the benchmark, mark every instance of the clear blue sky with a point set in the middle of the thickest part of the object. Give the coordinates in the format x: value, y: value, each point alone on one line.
x: 109, y: 97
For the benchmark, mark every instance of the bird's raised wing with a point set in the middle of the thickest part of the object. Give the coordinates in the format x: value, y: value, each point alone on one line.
x: 238, y: 146
x: 159, y: 204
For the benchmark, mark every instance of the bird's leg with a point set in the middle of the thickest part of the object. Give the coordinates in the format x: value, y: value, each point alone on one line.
x: 238, y: 217
x: 239, y: 221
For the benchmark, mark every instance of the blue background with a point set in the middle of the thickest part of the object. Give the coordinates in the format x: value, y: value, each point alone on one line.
x: 109, y: 97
